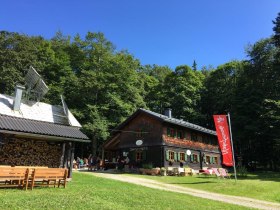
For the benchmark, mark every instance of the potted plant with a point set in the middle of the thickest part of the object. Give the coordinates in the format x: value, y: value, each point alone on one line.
x: 163, y: 171
x: 149, y: 170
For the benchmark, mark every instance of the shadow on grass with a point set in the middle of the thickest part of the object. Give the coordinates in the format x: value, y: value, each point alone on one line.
x: 209, y: 182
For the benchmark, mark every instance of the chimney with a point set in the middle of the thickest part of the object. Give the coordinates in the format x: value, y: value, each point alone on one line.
x: 17, y: 100
x: 168, y: 112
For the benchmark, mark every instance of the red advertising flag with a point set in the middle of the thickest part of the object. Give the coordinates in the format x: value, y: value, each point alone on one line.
x: 224, y: 138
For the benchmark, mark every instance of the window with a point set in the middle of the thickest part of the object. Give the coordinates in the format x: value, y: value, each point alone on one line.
x: 199, y: 138
x: 193, y: 137
x: 171, y: 155
x: 213, y: 141
x: 195, y: 158
x: 207, y: 160
x: 172, y: 132
x: 180, y: 134
x: 168, y: 132
x: 204, y: 139
x: 139, y: 155
x: 139, y: 133
x: 182, y: 156
x: 186, y: 135
x: 215, y: 160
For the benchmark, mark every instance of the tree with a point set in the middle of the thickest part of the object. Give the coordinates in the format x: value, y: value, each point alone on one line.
x: 194, y: 66
x: 256, y: 92
x: 217, y: 96
x: 181, y: 92
x: 276, y: 29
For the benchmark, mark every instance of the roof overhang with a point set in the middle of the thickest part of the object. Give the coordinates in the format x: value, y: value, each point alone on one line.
x: 111, y: 144
x: 43, y: 137
x: 39, y: 128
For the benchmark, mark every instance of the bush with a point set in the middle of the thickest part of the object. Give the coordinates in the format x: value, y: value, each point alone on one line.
x: 162, y: 169
x: 148, y: 165
x: 242, y: 171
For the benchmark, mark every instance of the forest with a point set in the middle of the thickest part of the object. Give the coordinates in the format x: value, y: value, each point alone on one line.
x: 102, y: 86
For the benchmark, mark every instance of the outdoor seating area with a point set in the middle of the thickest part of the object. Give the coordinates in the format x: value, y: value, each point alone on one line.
x: 179, y: 171
x: 218, y: 172
x: 25, y: 177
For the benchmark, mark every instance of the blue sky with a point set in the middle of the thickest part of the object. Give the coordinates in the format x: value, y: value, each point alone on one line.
x: 161, y: 32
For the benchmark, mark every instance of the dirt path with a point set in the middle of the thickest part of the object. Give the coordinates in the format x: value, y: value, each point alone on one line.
x: 242, y: 201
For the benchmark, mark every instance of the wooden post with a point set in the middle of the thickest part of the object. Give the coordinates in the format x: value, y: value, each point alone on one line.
x: 72, y: 149
x: 62, y: 155
x: 102, y: 156
x: 65, y: 158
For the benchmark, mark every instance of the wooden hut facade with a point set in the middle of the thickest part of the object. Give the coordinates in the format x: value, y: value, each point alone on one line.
x: 149, y: 137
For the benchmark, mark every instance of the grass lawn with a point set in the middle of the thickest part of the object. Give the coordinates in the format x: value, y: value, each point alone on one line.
x: 88, y: 192
x: 262, y: 186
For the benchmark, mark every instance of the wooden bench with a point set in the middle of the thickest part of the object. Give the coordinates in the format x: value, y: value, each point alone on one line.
x: 48, y: 177
x: 14, y: 177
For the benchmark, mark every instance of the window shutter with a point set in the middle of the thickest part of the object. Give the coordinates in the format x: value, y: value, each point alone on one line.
x: 186, y: 157
x: 167, y: 154
x: 198, y: 158
x: 175, y: 156
x: 168, y: 131
x: 144, y: 155
x: 191, y: 157
x: 211, y: 160
x: 204, y: 159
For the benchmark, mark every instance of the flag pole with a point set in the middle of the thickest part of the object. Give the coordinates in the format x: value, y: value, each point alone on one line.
x: 232, y: 146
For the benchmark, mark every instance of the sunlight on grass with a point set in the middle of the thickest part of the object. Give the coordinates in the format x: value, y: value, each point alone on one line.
x: 263, y: 186
x: 89, y: 192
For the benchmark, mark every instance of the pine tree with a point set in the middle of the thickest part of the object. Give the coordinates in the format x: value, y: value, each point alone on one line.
x: 276, y: 30
x: 194, y: 66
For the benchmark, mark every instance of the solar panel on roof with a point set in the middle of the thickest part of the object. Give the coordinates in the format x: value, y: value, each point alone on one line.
x: 65, y: 109
x: 40, y: 89
x: 36, y: 87
x: 32, y: 77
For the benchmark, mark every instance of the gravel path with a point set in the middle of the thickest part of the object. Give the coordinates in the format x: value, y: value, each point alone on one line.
x: 242, y: 201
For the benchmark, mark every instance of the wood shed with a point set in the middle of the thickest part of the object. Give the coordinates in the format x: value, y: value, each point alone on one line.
x: 36, y: 133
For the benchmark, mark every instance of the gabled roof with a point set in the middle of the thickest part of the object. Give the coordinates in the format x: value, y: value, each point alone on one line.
x: 21, y: 125
x: 168, y: 120
x: 39, y: 119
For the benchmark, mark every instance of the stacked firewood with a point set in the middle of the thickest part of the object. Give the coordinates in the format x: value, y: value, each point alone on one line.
x: 28, y: 152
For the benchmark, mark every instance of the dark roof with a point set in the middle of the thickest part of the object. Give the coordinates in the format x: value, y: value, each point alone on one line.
x: 168, y: 120
x: 39, y: 127
x: 180, y: 122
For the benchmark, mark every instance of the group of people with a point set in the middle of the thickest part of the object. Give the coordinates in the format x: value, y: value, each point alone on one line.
x: 121, y: 162
x: 93, y: 163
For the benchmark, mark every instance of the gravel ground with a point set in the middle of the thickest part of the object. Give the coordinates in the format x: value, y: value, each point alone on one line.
x: 242, y: 201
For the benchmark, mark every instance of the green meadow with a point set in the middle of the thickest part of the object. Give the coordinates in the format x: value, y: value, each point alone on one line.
x: 89, y: 192
x: 262, y: 186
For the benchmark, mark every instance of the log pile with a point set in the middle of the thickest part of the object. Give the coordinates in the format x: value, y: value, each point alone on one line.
x: 28, y: 152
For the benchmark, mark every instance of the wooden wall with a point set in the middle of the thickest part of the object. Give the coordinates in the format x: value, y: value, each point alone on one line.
x: 191, y: 164
x: 188, y: 143
x: 151, y: 128
x: 29, y: 152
